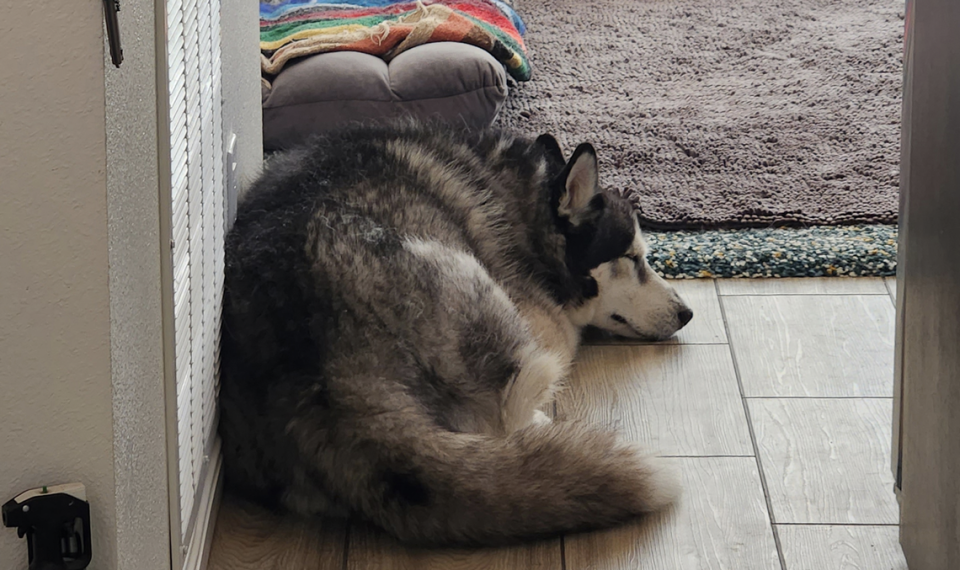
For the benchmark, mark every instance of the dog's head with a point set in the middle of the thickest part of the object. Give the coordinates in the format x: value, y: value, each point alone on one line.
x: 606, y: 253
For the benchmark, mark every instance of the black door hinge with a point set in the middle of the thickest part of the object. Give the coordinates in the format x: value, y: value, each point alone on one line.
x: 110, y: 9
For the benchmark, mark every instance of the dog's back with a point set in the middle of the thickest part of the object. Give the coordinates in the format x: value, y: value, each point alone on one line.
x: 376, y: 357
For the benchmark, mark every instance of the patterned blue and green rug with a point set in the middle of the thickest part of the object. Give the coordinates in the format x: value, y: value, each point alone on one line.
x: 818, y: 251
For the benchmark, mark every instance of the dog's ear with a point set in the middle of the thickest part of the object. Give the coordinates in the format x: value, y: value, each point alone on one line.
x: 581, y: 182
x: 551, y: 147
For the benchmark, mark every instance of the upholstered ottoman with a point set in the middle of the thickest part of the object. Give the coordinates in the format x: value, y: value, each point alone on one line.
x: 455, y: 82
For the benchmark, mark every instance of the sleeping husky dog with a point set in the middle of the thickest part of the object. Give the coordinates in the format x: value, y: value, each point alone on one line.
x: 401, y: 304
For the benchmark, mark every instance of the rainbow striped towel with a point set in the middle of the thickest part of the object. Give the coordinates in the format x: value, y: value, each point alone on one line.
x: 296, y: 28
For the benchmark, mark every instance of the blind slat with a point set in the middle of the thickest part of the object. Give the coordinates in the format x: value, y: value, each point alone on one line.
x: 197, y: 181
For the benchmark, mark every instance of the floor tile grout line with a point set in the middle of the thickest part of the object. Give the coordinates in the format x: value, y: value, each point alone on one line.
x: 658, y: 344
x: 753, y: 435
x: 818, y: 397
x: 839, y: 524
x: 707, y: 456
x: 346, y: 545
x: 863, y: 294
x: 563, y: 552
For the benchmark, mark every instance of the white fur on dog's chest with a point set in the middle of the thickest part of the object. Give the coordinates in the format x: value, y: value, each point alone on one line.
x: 552, y: 329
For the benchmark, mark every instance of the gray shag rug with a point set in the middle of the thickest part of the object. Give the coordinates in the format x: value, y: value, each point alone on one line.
x: 724, y: 113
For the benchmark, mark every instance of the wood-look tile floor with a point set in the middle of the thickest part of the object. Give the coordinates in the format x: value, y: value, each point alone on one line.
x: 776, y: 403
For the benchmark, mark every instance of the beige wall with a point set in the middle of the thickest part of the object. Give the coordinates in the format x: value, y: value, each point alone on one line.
x: 81, y: 337
x: 55, y: 386
x: 242, y: 113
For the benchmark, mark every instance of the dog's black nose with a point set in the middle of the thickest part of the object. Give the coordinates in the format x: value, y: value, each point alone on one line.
x: 685, y: 316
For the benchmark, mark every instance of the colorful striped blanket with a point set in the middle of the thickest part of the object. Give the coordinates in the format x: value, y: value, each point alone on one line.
x: 296, y: 28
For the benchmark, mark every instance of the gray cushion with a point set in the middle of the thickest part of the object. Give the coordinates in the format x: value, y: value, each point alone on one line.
x: 456, y: 82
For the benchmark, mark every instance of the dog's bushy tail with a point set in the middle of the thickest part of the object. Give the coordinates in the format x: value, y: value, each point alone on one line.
x: 453, y: 488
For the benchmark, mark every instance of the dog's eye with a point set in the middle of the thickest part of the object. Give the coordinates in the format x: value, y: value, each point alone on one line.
x: 634, y: 258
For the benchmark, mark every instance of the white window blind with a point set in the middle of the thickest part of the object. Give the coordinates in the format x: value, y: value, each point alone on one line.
x: 197, y: 183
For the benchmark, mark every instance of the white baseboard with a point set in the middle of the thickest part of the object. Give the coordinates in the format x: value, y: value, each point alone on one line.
x: 201, y: 537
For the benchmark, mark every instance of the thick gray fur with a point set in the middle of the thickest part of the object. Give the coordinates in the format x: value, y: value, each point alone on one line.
x: 400, y: 303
